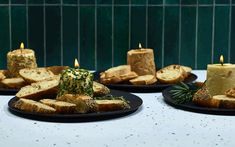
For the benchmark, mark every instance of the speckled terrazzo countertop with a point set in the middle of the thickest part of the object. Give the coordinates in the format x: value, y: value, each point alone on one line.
x: 155, y: 124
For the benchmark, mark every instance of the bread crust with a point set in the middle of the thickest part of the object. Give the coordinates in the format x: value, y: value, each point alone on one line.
x: 60, y: 106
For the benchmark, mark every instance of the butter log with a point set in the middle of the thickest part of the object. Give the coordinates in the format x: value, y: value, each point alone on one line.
x: 19, y: 59
x: 220, y: 78
x: 142, y: 61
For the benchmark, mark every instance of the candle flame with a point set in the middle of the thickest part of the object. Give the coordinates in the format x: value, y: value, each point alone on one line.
x: 22, y: 45
x: 140, y: 46
x: 76, y: 64
x: 221, y: 59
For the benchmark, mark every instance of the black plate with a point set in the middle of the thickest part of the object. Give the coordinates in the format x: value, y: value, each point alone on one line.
x: 135, y: 103
x: 143, y: 88
x: 190, y: 106
x: 5, y: 91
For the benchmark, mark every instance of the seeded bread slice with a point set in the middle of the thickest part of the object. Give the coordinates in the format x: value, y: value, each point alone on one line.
x: 171, y: 74
x: 32, y: 75
x: 111, y: 105
x: 60, y: 106
x: 144, y: 80
x: 39, y: 90
x: 33, y: 106
x: 100, y: 89
x: 14, y: 83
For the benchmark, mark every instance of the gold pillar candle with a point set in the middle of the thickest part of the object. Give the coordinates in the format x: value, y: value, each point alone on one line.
x: 142, y: 61
x: 19, y: 59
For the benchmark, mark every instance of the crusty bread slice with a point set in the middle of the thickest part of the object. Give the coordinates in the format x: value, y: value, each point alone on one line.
x: 14, y: 83
x: 128, y: 76
x: 111, y: 105
x: 111, y: 80
x: 2, y: 74
x: 39, y: 90
x: 117, y: 71
x: 83, y: 103
x: 144, y: 80
x: 230, y: 92
x: 100, y: 89
x: 187, y: 69
x: 171, y: 74
x: 33, y: 106
x: 223, y: 101
x: 32, y: 75
x: 57, y: 69
x: 60, y: 106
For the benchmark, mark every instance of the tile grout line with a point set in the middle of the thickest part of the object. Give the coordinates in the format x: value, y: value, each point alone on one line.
x: 129, y: 27
x: 146, y: 24
x: 95, y: 34
x: 79, y: 35
x: 229, y: 32
x: 180, y: 24
x: 61, y: 34
x: 27, y: 23
x: 163, y: 32
x: 10, y: 27
x: 112, y: 33
x: 44, y: 32
x: 196, y: 36
x: 213, y: 33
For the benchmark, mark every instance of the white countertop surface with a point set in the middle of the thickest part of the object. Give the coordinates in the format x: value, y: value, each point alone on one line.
x: 155, y: 124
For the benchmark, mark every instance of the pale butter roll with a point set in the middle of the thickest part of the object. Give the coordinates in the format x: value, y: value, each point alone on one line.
x: 220, y: 78
x: 142, y: 61
x: 19, y: 59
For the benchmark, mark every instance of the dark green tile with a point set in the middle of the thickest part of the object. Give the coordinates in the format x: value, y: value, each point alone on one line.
x: 70, y: 1
x: 121, y: 35
x: 155, y: 33
x: 104, y: 1
x: 70, y: 35
x: 121, y: 1
x: 18, y: 23
x: 233, y: 1
x: 36, y: 41
x: 188, y: 27
x: 221, y: 21
x: 104, y: 37
x: 204, y: 37
x: 4, y: 36
x: 138, y: 26
x: 155, y: 1
x: 87, y: 1
x: 18, y: 1
x: 232, y: 51
x: 171, y: 51
x: 53, y: 48
x: 172, y: 1
x: 222, y: 1
x: 87, y: 37
x: 188, y: 1
x: 52, y: 1
x: 205, y: 1
x: 4, y: 1
x: 138, y: 1
x: 35, y: 1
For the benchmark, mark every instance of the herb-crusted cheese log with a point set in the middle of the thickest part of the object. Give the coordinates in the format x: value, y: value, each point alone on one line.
x: 19, y: 59
x: 76, y: 81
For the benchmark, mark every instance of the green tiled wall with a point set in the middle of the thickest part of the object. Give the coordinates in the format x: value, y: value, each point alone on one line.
x: 100, y: 32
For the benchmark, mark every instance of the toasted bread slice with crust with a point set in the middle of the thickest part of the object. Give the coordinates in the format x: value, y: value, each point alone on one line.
x: 60, y: 106
x: 14, y: 83
x: 144, y: 80
x: 57, y: 69
x: 32, y: 75
x: 187, y: 69
x: 33, y: 106
x: 230, y: 92
x: 111, y: 105
x: 100, y: 89
x: 117, y: 71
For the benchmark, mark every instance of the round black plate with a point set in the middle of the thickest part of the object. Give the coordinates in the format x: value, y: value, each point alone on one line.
x: 190, y: 106
x: 5, y: 91
x: 135, y: 103
x: 143, y: 88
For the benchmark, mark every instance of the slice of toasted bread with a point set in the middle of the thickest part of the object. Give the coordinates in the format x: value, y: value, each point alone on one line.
x: 14, y: 83
x: 3, y: 74
x: 111, y: 80
x: 111, y: 105
x: 39, y: 90
x: 187, y: 69
x: 100, y: 89
x: 230, y: 92
x: 224, y: 101
x: 32, y: 75
x: 128, y: 76
x: 203, y: 98
x: 83, y: 103
x: 144, y: 80
x: 60, y: 106
x: 171, y: 74
x: 33, y: 106
x: 57, y: 69
x: 117, y: 71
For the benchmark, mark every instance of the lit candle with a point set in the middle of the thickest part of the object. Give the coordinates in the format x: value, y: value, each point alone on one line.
x: 220, y: 77
x: 76, y: 81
